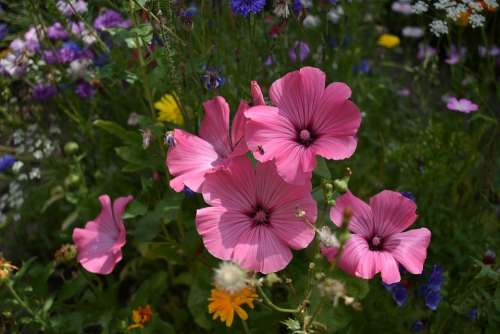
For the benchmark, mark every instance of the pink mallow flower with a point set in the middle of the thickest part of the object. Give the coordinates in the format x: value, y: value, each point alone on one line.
x: 378, y: 243
x: 462, y: 105
x: 100, y: 243
x: 252, y: 220
x: 191, y: 157
x: 306, y: 120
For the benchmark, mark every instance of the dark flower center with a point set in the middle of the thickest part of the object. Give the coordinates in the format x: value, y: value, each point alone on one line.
x: 305, y: 137
x: 260, y: 215
x: 375, y: 243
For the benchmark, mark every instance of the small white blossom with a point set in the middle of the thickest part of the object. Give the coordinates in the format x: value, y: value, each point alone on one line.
x: 335, y: 14
x: 491, y: 3
x: 230, y: 277
x: 22, y: 177
x: 412, y: 32
x: 35, y: 173
x: 476, y: 20
x: 311, y: 21
x: 16, y: 167
x: 38, y: 155
x: 456, y: 11
x: 420, y: 7
x: 281, y: 8
x: 439, y: 27
x: 327, y: 238
x: 306, y: 3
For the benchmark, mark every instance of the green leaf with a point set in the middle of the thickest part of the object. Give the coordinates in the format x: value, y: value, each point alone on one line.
x: 197, y: 303
x: 135, y: 209
x: 322, y: 168
x: 116, y: 130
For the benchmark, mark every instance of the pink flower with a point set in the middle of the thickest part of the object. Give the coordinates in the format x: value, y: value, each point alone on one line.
x: 191, y: 158
x: 377, y: 242
x: 462, y: 105
x: 99, y: 244
x: 252, y: 218
x: 306, y: 120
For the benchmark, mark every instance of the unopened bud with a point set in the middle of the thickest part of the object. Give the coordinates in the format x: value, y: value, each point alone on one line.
x: 71, y: 147
x: 71, y: 180
x: 341, y: 185
x: 272, y: 279
x: 312, y: 265
x: 65, y: 253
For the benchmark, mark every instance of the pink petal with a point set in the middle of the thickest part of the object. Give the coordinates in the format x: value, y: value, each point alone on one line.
x: 221, y: 229
x: 392, y: 212
x: 261, y: 250
x: 233, y: 187
x: 338, y: 119
x: 336, y: 148
x: 409, y: 248
x: 189, y: 160
x: 374, y: 262
x: 298, y: 94
x: 257, y: 97
x: 215, y: 125
x: 119, y: 207
x: 354, y: 249
x: 361, y: 222
x: 329, y: 252
x: 238, y: 130
x: 335, y: 93
x: 389, y: 268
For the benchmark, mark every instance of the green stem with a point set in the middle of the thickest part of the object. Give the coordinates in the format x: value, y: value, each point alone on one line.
x: 314, y: 314
x: 25, y: 305
x: 245, y: 327
x: 272, y: 305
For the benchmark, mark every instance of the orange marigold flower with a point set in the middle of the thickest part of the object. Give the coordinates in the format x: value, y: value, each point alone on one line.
x: 141, y: 316
x: 223, y: 304
x: 463, y: 19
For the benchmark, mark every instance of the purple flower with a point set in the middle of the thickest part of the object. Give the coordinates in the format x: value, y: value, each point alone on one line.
x: 398, y: 292
x: 85, y: 90
x: 268, y: 61
x: 69, y: 52
x: 246, y: 7
x: 462, y: 105
x: 417, y: 326
x: 50, y: 56
x: 405, y: 92
x: 6, y: 161
x: 300, y: 49
x: 43, y: 92
x: 431, y: 291
x: 110, y: 19
x: 425, y: 51
x: 32, y: 43
x: 297, y: 7
x: 212, y: 79
x: 455, y: 54
x: 472, y: 314
x: 362, y: 67
x: 71, y: 7
x: 17, y: 45
x: 14, y: 64
x: 4, y: 30
x: 57, y: 31
x: 402, y: 7
x: 432, y: 299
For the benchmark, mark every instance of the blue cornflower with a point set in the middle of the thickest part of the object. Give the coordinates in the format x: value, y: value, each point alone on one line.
x: 362, y: 67
x: 246, y: 7
x: 432, y: 299
x: 297, y: 6
x: 408, y: 195
x: 398, y: 292
x: 188, y: 192
x: 431, y: 291
x: 211, y: 78
x: 6, y: 161
x: 417, y: 326
x: 436, y: 278
x: 472, y: 314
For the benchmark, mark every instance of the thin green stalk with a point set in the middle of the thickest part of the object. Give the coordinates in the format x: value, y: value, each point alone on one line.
x: 25, y: 305
x: 274, y: 306
x: 245, y: 327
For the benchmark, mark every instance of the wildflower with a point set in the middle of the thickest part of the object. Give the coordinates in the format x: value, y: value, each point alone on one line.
x: 146, y: 137
x: 362, y: 67
x: 6, y: 269
x: 247, y: 7
x: 412, y: 32
x: 6, y: 162
x: 455, y: 54
x: 402, y: 7
x: 256, y: 92
x: 78, y: 68
x: 472, y: 314
x: 327, y: 238
x: 489, y: 257
x: 212, y: 79
x: 85, y: 90
x: 108, y: 19
x: 300, y: 51
x: 14, y: 64
x: 68, y: 52
x: 398, y: 292
x: 306, y: 120
x: 224, y: 304
x: 230, y: 277
x: 43, y: 92
x: 57, y: 31
x: 388, y: 41
x: 169, y: 110
x: 403, y: 92
x: 99, y: 243
x: 378, y: 243
x: 251, y: 220
x: 311, y: 21
x: 186, y: 17
x: 490, y: 5
x: 462, y: 105
x: 431, y: 291
x: 193, y: 157
x: 16, y: 167
x: 31, y: 39
x: 297, y: 6
x: 417, y: 326
x: 35, y: 174
x: 425, y: 51
x: 335, y: 14
x: 408, y: 195
x: 438, y: 27
x: 133, y: 119
x: 476, y: 20
x: 71, y: 7
x: 281, y: 8
x: 79, y: 29
x: 141, y: 316
x: 65, y: 253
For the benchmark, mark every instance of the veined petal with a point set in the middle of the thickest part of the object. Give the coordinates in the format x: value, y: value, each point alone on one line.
x: 361, y: 221
x: 409, y: 248
x: 392, y: 212
x: 215, y: 125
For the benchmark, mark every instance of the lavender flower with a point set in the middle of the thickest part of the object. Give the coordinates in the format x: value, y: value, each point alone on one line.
x: 85, y: 90
x: 71, y: 7
x: 43, y: 92
x: 110, y: 19
x: 455, y: 54
x: 247, y: 7
x: 32, y: 43
x: 69, y: 52
x: 299, y: 51
x: 57, y: 31
x: 425, y: 51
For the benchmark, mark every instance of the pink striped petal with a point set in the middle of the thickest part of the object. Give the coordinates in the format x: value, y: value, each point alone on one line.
x: 392, y: 212
x: 256, y: 92
x: 238, y: 130
x: 409, y: 248
x: 354, y: 249
x: 215, y: 125
x: 361, y: 222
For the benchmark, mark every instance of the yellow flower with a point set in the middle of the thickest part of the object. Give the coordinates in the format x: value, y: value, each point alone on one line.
x: 141, y: 316
x: 223, y: 304
x: 169, y: 110
x: 388, y: 41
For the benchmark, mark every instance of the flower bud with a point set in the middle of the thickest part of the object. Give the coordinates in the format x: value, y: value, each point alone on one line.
x: 272, y: 279
x: 65, y: 253
x: 71, y: 148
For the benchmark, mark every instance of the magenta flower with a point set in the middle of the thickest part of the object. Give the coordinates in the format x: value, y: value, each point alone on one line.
x: 378, y: 243
x: 306, y: 120
x: 192, y: 157
x: 462, y: 105
x: 99, y: 244
x: 252, y: 218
